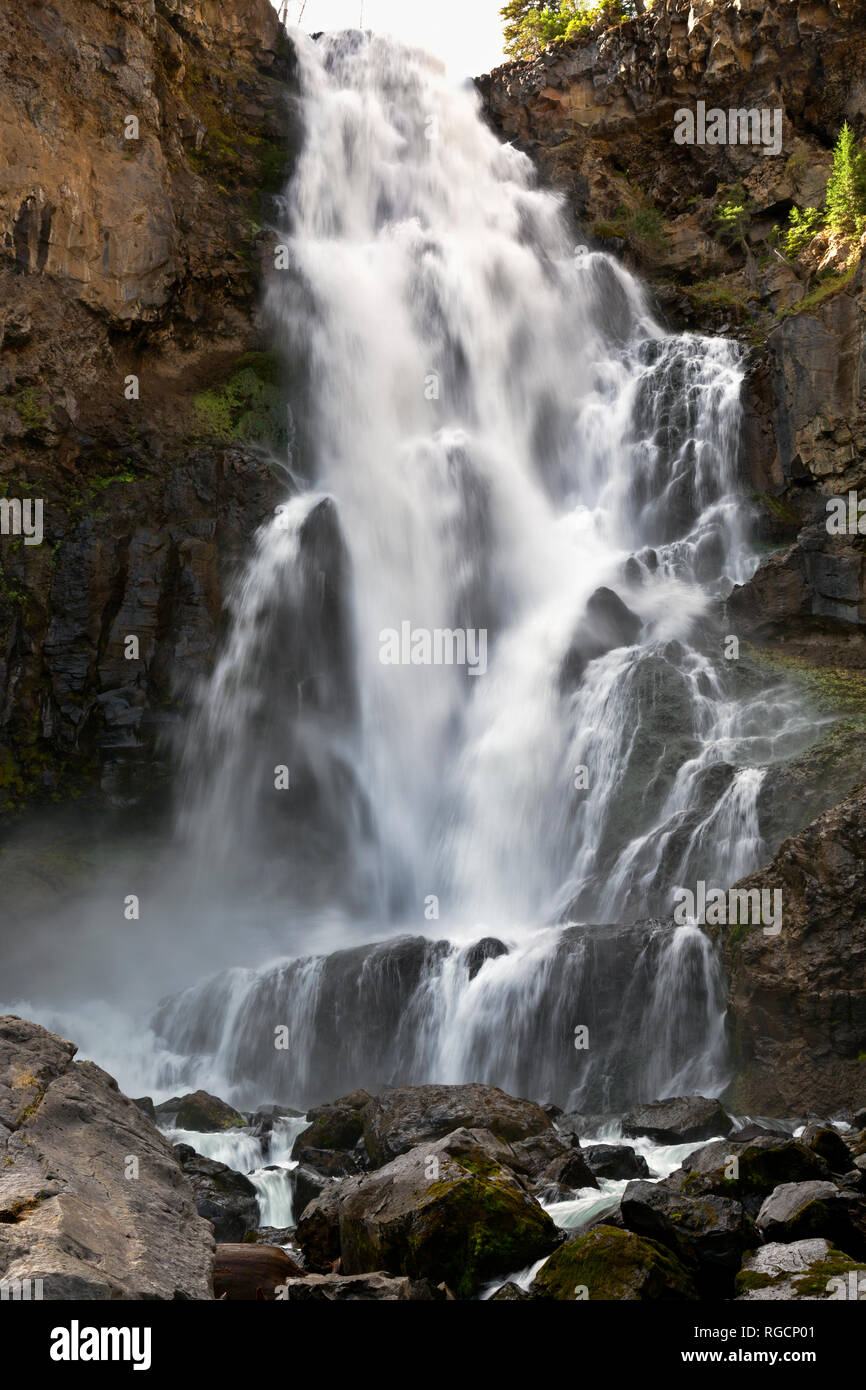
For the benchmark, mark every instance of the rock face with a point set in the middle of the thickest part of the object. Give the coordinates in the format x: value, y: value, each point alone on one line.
x: 145, y: 142
x: 447, y: 1211
x: 797, y: 1001
x: 597, y: 115
x: 92, y: 1198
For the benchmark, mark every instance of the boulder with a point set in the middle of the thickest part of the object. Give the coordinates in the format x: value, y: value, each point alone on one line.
x: 613, y: 1265
x: 335, y: 1126
x: 446, y: 1211
x: 405, y: 1116
x: 707, y: 1234
x: 799, y: 1210
x: 570, y: 1170
x: 681, y: 1121
x: 251, y: 1272
x: 615, y: 1161
x: 93, y: 1200
x: 307, y: 1184
x: 810, y: 1270
x: 145, y: 1104
x: 488, y: 948
x: 746, y: 1171
x: 828, y: 1144
x: 330, y: 1163
x: 200, y: 1112
x: 510, y: 1293
x: 225, y: 1198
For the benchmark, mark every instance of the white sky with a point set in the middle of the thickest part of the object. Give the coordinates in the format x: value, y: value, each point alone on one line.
x: 467, y: 34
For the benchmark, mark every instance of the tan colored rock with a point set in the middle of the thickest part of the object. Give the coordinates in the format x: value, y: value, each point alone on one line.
x: 93, y: 1201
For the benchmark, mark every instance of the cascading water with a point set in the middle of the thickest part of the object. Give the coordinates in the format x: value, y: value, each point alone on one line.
x: 494, y: 437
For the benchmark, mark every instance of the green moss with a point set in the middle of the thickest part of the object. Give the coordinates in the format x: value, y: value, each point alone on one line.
x: 825, y: 289
x: 751, y: 1279
x: 613, y: 1266
x: 815, y: 1281
x: 31, y: 409
x: 249, y: 406
x: 832, y: 690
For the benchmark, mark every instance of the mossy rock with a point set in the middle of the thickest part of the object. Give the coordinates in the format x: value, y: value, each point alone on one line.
x: 614, y: 1266
x: 207, y: 1114
x: 446, y: 1211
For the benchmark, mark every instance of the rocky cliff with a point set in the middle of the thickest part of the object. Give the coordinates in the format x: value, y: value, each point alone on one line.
x: 797, y: 1001
x: 598, y: 115
x: 142, y: 143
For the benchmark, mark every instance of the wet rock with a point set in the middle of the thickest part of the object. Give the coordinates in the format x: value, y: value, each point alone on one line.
x: 828, y: 1144
x: 224, y: 1197
x: 680, y: 1121
x: 747, y: 1171
x: 810, y: 1270
x: 145, y: 1104
x: 336, y: 1126
x: 307, y: 1184
x: 400, y: 1118
x: 608, y: 623
x: 70, y: 1212
x: 251, y: 1272
x: 570, y: 1170
x: 446, y: 1211
x: 800, y: 1210
x: 488, y: 948
x: 510, y: 1293
x: 201, y: 1113
x: 796, y: 1007
x: 612, y: 1265
x: 708, y: 1234
x: 616, y: 1161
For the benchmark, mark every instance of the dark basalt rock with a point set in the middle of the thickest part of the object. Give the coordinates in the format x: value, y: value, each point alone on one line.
x: 747, y: 1172
x: 679, y: 1121
x: 338, y: 1126
x: 488, y: 948
x: 616, y: 1161
x: 609, y: 623
x: 708, y: 1234
x: 200, y: 1112
x: 828, y: 1144
x: 400, y: 1118
x: 801, y: 1210
x: 613, y: 1265
x: 447, y: 1211
x: 223, y: 1196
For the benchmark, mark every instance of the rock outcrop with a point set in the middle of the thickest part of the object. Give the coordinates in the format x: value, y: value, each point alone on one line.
x: 797, y: 1001
x: 93, y: 1201
x: 143, y: 143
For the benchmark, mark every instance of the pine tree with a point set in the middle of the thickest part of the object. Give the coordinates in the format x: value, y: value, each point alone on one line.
x: 846, y: 187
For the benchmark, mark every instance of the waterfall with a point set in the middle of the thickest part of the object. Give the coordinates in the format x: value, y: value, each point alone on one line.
x: 493, y: 437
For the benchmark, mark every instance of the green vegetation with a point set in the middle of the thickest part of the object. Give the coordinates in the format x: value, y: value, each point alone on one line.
x: 249, y: 406
x: 530, y: 27
x: 642, y: 227
x: 734, y: 214
x: 844, y: 211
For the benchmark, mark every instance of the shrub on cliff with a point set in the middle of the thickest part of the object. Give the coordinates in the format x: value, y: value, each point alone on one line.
x: 530, y: 27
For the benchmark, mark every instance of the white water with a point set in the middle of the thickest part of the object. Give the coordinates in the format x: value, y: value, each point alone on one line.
x: 571, y: 487
x: 501, y: 438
